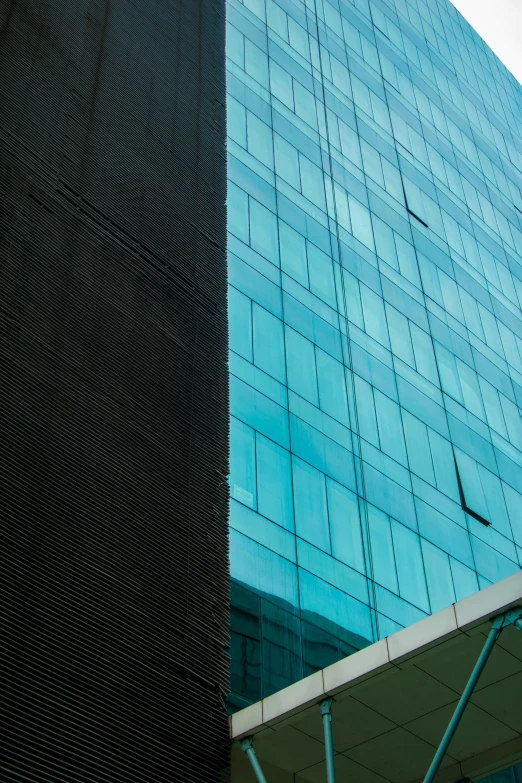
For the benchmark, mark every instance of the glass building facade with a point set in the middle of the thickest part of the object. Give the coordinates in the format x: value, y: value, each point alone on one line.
x: 375, y: 270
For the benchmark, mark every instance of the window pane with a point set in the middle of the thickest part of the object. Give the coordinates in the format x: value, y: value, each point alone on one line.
x: 332, y: 388
x: 262, y: 570
x: 242, y: 463
x: 287, y: 162
x: 361, y: 223
x: 311, y: 512
x: 281, y: 85
x: 345, y: 525
x: 424, y: 355
x: 293, y: 254
x: 240, y: 323
x: 383, y: 559
x: 390, y: 427
x: 418, y: 447
x: 444, y: 466
x: 237, y: 212
x: 374, y: 318
x: 300, y: 363
x: 410, y: 566
x: 236, y: 121
x: 464, y: 579
x: 438, y: 575
x: 263, y: 231
x: 514, y: 505
x: 400, y: 335
x: 269, y: 349
x: 260, y: 140
x: 367, y: 420
x: 323, y: 602
x: 497, y: 511
x: 321, y: 274
x: 274, y: 479
x: 312, y: 182
x: 256, y: 63
x: 471, y: 483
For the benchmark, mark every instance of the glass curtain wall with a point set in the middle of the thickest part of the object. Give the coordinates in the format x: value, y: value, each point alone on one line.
x: 375, y: 270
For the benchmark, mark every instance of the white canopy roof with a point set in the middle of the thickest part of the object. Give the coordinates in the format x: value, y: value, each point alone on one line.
x: 393, y: 701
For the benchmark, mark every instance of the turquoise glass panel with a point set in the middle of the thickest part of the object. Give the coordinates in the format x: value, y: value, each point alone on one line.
x: 375, y: 276
x: 274, y: 482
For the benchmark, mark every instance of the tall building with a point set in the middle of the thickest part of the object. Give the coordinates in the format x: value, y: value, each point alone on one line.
x: 375, y: 270
x: 113, y: 391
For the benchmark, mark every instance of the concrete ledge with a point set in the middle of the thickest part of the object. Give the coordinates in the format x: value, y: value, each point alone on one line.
x: 430, y: 632
x: 294, y: 699
x: 472, y: 612
x: 369, y: 662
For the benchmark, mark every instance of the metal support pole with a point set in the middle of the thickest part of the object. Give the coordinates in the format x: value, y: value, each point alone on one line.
x: 248, y: 747
x: 514, y: 617
x: 326, y: 712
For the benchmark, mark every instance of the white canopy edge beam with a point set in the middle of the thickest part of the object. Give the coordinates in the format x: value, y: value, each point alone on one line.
x: 407, y: 685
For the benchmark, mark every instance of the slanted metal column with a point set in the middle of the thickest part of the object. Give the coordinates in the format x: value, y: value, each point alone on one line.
x: 514, y: 617
x: 248, y: 746
x: 326, y: 712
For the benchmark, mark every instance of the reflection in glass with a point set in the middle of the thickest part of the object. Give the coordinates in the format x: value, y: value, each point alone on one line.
x: 375, y: 271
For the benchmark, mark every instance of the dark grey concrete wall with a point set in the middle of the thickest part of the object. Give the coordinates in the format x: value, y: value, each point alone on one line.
x: 113, y: 391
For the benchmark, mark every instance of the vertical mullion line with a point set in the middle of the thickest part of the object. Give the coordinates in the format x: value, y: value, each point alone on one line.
x: 359, y: 474
x: 299, y: 616
x: 424, y: 299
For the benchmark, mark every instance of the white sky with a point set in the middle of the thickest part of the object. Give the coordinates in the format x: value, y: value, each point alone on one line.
x: 499, y: 23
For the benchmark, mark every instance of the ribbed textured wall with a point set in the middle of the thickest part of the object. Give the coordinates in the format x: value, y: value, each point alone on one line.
x: 113, y: 396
